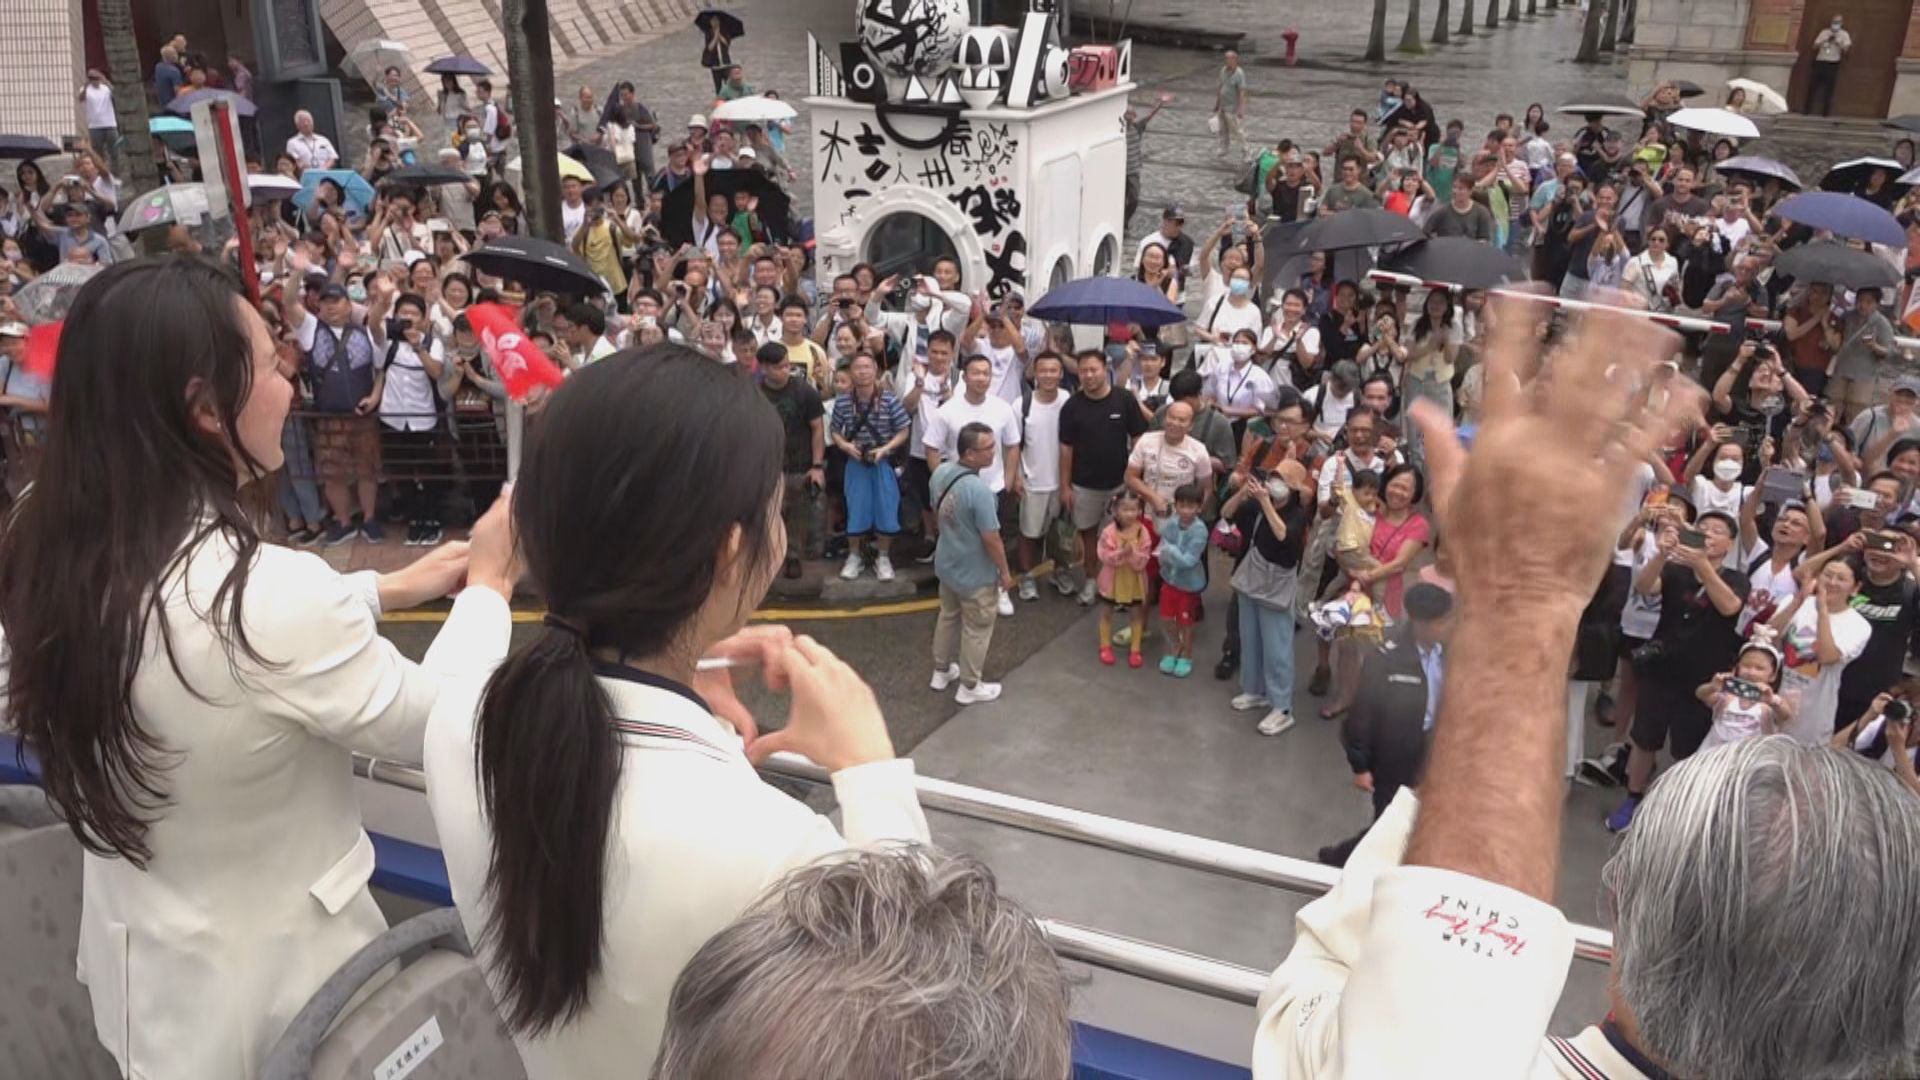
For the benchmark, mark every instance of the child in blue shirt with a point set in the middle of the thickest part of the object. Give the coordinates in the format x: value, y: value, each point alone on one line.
x: 1183, y: 553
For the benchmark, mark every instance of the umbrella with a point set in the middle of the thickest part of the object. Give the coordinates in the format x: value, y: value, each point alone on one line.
x: 1370, y: 227
x: 575, y: 168
x: 1850, y: 176
x: 1714, y: 122
x: 1097, y: 301
x: 1603, y: 105
x: 176, y: 132
x: 537, y: 265
x: 1755, y: 165
x: 600, y: 162
x: 459, y: 65
x: 729, y: 25
x: 1688, y: 89
x: 182, y: 203
x: 754, y: 109
x: 183, y: 105
x: 46, y: 298
x: 1761, y: 98
x: 270, y: 186
x: 1910, y: 177
x: 676, y: 216
x: 1843, y: 215
x: 1831, y: 263
x: 426, y: 176
x: 25, y: 146
x: 370, y: 59
x: 359, y: 194
x: 1456, y: 260
x: 1907, y: 122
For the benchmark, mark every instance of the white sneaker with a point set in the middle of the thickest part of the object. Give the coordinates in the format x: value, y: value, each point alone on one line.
x: 883, y: 568
x: 944, y: 677
x: 1248, y: 702
x: 1089, y: 592
x: 1064, y: 585
x: 1029, y: 589
x: 1275, y: 722
x: 1006, y: 603
x: 977, y: 693
x: 852, y: 568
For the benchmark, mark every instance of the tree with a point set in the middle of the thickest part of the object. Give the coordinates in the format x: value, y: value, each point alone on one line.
x: 1410, y: 37
x: 1440, y: 26
x: 1533, y: 8
x: 1466, y: 18
x: 530, y: 68
x: 1493, y: 14
x: 1377, y: 36
x: 129, y: 98
x: 1590, y: 35
x: 1513, y: 10
x: 1608, y: 36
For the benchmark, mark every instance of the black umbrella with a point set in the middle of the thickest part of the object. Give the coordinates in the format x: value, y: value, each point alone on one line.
x: 1907, y: 122
x: 1369, y: 227
x: 1287, y: 260
x: 426, y: 176
x: 1688, y: 89
x: 1604, y: 105
x: 536, y: 264
x: 25, y: 146
x: 1832, y: 263
x: 600, y: 162
x: 1755, y: 165
x: 1851, y: 176
x: 676, y: 214
x: 1456, y: 260
x: 729, y: 25
x: 459, y: 65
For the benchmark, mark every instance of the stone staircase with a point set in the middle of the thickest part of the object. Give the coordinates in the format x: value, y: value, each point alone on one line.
x: 1812, y: 143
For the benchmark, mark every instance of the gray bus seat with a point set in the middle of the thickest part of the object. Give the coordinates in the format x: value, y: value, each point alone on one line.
x: 436, y: 1011
x: 46, y: 1016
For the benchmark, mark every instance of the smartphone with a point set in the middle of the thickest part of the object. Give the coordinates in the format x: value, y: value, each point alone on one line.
x: 1744, y: 690
x: 1658, y: 496
x: 1779, y: 485
x: 1693, y: 538
x: 1887, y: 543
x: 1863, y: 499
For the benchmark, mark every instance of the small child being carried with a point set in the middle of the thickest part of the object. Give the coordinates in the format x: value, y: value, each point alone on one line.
x: 1353, y: 542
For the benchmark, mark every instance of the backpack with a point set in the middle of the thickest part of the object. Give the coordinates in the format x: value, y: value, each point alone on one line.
x: 502, y: 123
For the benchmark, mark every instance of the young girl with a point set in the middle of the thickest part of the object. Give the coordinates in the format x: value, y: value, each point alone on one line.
x: 1125, y: 547
x: 1738, y: 716
x: 1183, y: 554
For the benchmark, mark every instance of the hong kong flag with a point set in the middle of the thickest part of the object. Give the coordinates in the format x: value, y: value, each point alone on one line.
x: 519, y: 362
x: 43, y: 347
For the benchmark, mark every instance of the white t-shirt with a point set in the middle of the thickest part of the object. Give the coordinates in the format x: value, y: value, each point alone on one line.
x: 1008, y: 373
x: 1040, y: 452
x: 1770, y: 589
x: 1733, y: 232
x: 99, y: 106
x: 943, y: 432
x: 1304, y: 335
x: 933, y: 391
x: 1248, y: 387
x: 1165, y: 466
x: 1818, y: 685
x: 1706, y: 496
x: 1333, y: 410
x: 406, y: 400
x: 1342, y: 466
x: 572, y: 217
x: 1641, y: 615
x: 1734, y: 719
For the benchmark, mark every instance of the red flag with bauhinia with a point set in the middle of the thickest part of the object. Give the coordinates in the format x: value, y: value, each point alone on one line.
x: 519, y: 362
x: 43, y: 347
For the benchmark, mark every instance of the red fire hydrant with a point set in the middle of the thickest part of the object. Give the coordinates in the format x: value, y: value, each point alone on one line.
x: 1292, y: 38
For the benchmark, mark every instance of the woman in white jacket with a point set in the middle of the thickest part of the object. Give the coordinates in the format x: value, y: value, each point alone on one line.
x: 192, y: 693
x: 596, y: 799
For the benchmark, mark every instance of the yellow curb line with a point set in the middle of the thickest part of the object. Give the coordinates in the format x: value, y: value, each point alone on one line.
x: 903, y: 607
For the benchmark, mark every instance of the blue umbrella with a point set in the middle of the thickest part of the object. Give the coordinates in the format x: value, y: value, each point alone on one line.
x: 174, y: 131
x: 1096, y: 301
x: 459, y: 65
x: 1843, y: 215
x: 184, y: 104
x: 359, y: 193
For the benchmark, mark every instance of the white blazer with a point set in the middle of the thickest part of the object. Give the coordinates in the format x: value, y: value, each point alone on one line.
x: 257, y: 889
x: 696, y: 837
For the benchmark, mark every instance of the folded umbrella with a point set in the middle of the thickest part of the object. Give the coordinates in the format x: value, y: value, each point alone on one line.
x: 1755, y: 165
x: 1761, y: 98
x: 1714, y: 122
x: 1843, y: 215
x: 26, y: 146
x: 1831, y: 263
x: 358, y: 193
x: 1851, y: 176
x: 183, y: 105
x: 459, y: 65
x: 539, y: 265
x: 1097, y: 301
x: 1456, y: 260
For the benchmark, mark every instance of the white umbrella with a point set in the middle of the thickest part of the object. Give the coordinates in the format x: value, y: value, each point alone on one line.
x: 754, y: 109
x: 270, y: 186
x: 371, y: 59
x: 1761, y: 98
x: 1715, y: 122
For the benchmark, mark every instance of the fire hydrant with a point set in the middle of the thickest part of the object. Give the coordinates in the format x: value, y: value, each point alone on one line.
x: 1292, y: 38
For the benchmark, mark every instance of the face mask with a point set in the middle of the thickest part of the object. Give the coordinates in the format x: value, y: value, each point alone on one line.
x: 357, y: 293
x: 922, y: 303
x: 1240, y: 287
x: 473, y: 133
x: 1726, y: 469
x: 1241, y: 352
x: 1279, y: 491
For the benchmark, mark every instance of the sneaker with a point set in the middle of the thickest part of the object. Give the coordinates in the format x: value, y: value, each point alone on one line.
x: 1029, y: 590
x: 978, y: 692
x: 1135, y: 660
x: 1167, y: 662
x: 944, y: 677
x: 1182, y: 668
x: 1107, y: 656
x: 1006, y: 603
x: 414, y: 533
x: 1275, y: 722
x: 1089, y: 592
x: 337, y: 533
x: 1227, y: 668
x: 1593, y: 773
x: 1622, y: 817
x: 1317, y: 686
x: 925, y: 557
x: 883, y: 568
x: 1248, y: 702
x: 372, y: 533
x: 301, y: 537
x: 431, y: 534
x: 791, y: 570
x: 1064, y: 585
x: 852, y: 568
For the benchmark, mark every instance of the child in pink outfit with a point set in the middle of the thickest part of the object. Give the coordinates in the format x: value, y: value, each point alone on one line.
x: 1125, y: 549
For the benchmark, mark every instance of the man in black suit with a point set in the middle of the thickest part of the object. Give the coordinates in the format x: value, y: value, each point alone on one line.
x: 1387, y: 731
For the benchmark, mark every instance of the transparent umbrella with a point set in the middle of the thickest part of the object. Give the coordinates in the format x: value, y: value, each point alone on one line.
x: 46, y: 298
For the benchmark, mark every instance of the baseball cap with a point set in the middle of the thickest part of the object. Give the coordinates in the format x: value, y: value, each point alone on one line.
x: 333, y: 290
x: 1173, y: 213
x: 697, y: 120
x: 746, y: 154
x: 13, y: 329
x: 1907, y: 384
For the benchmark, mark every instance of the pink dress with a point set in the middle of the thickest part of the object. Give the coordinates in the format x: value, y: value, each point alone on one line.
x: 1388, y: 539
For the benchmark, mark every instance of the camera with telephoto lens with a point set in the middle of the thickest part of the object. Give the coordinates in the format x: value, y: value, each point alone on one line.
x: 1898, y: 711
x: 397, y: 328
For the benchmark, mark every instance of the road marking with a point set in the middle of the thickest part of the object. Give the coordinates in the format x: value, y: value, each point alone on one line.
x: 902, y: 607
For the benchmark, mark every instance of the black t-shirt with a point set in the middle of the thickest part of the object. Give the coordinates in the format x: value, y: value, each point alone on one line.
x: 799, y: 406
x: 1577, y: 256
x: 1286, y: 200
x: 1339, y: 342
x: 1700, y: 642
x: 1298, y: 518
x: 1893, y: 611
x: 1101, y: 432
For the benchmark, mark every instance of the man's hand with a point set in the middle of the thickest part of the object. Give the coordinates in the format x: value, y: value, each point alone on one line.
x: 1363, y: 781
x: 367, y: 404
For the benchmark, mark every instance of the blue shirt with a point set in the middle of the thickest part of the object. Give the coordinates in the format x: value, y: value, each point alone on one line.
x: 1183, y: 552
x: 967, y: 513
x: 871, y: 425
x: 1433, y: 663
x: 166, y: 81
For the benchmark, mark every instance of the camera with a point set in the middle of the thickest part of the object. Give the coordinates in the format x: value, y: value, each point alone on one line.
x: 397, y: 328
x: 1898, y: 711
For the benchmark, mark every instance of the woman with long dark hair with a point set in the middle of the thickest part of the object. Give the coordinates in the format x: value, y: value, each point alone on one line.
x: 192, y: 693
x: 596, y: 800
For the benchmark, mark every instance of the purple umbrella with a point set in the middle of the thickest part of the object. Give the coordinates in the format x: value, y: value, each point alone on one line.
x: 185, y: 102
x: 1843, y: 215
x: 459, y: 65
x: 1097, y: 301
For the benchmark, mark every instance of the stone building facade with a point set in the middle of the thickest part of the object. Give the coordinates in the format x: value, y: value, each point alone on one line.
x: 1711, y: 41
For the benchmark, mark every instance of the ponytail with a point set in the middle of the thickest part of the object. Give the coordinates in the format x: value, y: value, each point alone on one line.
x: 549, y: 764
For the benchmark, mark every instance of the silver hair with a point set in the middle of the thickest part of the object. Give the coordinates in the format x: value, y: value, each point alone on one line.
x: 897, y: 964
x: 1766, y: 912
